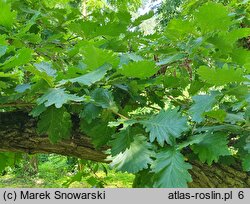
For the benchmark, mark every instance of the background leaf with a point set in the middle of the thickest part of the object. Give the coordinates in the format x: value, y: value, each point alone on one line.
x: 98, y: 131
x: 140, y: 69
x: 95, y: 57
x: 202, y: 104
x: 103, y: 97
x: 211, y: 147
x: 7, y: 17
x: 122, y: 141
x: 91, y: 77
x: 58, y: 97
x: 246, y: 162
x: 221, y: 76
x: 56, y: 123
x: 213, y: 17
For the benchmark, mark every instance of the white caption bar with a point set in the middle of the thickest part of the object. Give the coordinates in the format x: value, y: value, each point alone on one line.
x: 128, y: 196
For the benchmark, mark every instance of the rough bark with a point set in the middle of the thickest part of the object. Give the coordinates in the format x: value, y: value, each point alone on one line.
x: 218, y: 176
x: 18, y: 134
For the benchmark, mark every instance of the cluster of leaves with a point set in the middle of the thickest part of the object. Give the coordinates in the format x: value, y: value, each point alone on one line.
x: 8, y: 159
x: 159, y: 101
x: 168, y: 9
x: 88, y: 170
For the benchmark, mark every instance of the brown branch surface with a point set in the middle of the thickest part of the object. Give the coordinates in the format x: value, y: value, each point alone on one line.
x: 18, y: 134
x: 218, y: 176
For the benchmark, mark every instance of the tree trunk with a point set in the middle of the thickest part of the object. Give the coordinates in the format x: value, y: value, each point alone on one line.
x: 218, y: 176
x: 18, y: 134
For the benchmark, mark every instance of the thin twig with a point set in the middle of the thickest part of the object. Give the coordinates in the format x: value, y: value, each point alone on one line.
x: 122, y: 116
x: 173, y: 99
x: 158, y: 109
x: 72, y: 38
x: 16, y: 105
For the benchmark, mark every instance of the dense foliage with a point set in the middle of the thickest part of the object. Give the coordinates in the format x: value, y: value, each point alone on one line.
x: 159, y: 101
x: 56, y: 171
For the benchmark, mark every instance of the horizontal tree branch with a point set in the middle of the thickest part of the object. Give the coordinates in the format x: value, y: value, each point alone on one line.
x: 18, y: 134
